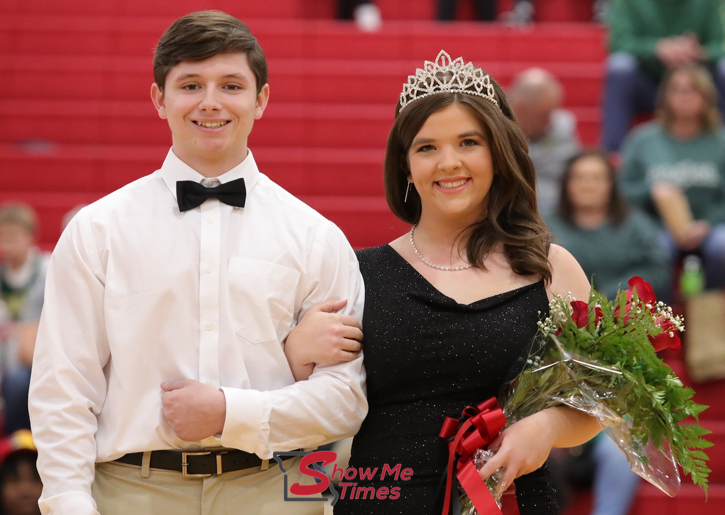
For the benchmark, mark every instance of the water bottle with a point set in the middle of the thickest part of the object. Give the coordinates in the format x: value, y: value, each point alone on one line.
x: 692, y: 280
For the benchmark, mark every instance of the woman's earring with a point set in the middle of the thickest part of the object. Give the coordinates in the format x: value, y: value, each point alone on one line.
x: 407, y: 190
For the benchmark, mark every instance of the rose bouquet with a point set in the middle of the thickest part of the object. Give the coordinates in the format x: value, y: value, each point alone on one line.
x: 600, y: 357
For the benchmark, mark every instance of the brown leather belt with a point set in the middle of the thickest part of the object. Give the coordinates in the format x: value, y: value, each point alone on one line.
x: 196, y: 464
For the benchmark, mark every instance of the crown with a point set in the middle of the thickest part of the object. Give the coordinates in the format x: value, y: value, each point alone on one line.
x: 446, y: 75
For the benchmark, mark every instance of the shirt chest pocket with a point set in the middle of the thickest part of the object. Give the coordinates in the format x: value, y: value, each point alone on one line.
x: 261, y: 298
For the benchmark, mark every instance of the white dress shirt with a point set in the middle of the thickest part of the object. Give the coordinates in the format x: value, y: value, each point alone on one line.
x: 139, y: 293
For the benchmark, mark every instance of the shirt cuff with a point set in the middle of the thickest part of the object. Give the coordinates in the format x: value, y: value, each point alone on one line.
x: 72, y: 503
x: 244, y: 420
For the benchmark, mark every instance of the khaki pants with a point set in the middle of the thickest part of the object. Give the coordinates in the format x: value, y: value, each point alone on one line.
x: 119, y: 489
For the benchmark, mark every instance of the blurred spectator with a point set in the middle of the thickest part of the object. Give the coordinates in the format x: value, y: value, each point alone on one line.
x: 647, y: 38
x: 20, y: 485
x: 485, y: 9
x: 611, y: 241
x: 22, y: 278
x: 674, y: 168
x: 536, y: 97
x: 365, y: 13
x: 523, y: 11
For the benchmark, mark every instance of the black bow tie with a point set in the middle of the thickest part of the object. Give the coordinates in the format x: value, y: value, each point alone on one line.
x: 191, y: 194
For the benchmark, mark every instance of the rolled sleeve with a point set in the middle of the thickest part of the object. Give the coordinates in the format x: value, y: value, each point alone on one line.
x: 70, y: 503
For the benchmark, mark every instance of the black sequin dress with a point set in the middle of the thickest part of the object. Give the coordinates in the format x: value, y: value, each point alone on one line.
x: 428, y: 357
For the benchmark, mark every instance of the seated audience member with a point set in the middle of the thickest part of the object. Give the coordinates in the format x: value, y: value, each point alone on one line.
x: 610, y: 240
x: 22, y: 276
x: 485, y: 9
x: 365, y: 13
x: 20, y: 484
x: 523, y: 11
x: 674, y: 168
x: 647, y: 38
x: 536, y: 97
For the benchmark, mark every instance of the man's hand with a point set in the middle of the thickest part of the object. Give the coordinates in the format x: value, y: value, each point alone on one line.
x: 324, y: 337
x: 194, y: 410
x: 679, y: 50
x: 697, y: 231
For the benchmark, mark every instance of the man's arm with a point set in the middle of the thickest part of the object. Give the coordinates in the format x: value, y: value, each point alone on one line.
x: 713, y: 41
x: 331, y: 404
x: 68, y: 386
x: 623, y: 37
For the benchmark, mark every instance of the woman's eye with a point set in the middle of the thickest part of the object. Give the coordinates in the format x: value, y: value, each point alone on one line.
x: 470, y: 142
x: 425, y: 148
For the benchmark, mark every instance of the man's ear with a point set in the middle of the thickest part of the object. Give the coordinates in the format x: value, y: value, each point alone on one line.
x: 157, y: 97
x: 262, y: 100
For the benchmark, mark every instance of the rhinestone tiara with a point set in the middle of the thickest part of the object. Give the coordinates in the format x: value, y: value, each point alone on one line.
x: 447, y: 75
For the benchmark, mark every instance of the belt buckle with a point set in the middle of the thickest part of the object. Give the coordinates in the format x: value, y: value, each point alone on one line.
x: 185, y: 464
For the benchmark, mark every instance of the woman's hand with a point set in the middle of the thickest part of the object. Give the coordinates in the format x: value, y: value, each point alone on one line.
x: 525, y: 446
x: 521, y: 449
x: 323, y: 337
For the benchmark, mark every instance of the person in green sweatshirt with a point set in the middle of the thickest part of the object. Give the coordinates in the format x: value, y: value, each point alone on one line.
x: 612, y: 240
x: 647, y: 38
x: 683, y: 152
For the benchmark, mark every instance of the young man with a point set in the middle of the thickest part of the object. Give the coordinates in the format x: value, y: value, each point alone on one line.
x: 166, y: 308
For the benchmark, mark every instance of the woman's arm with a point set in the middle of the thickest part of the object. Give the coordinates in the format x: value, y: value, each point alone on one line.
x: 524, y: 446
x: 322, y: 337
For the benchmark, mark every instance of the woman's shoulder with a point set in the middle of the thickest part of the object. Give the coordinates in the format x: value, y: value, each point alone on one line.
x: 555, y: 222
x: 567, y: 275
x: 372, y: 256
x: 646, y: 132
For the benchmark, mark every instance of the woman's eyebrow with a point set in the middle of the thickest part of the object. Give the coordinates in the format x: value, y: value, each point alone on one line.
x: 471, y: 133
x: 420, y: 141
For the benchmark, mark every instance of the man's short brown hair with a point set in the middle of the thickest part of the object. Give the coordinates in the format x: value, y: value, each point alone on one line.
x: 204, y: 34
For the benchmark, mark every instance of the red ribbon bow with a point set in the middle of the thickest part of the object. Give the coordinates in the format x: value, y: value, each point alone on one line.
x: 478, y: 426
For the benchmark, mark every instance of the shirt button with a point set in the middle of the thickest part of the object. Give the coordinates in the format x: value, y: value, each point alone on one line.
x: 209, y: 327
x: 210, y: 220
x: 208, y: 383
x: 208, y: 270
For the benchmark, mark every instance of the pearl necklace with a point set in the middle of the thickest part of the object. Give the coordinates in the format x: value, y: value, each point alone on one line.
x: 444, y: 268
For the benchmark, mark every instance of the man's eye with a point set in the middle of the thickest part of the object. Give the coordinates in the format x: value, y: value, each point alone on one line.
x: 234, y: 87
x: 191, y: 87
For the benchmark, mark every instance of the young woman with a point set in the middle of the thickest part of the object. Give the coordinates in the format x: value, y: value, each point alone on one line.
x: 681, y: 153
x: 452, y: 305
x: 611, y: 240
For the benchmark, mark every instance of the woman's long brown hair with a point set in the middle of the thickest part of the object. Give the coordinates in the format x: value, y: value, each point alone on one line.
x: 511, y: 216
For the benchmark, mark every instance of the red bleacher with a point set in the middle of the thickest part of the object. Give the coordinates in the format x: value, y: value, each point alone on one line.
x: 76, y: 121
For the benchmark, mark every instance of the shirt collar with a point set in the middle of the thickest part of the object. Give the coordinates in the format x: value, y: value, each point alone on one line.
x: 174, y: 170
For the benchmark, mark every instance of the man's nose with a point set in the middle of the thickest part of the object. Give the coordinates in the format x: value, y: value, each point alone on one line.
x: 210, y: 100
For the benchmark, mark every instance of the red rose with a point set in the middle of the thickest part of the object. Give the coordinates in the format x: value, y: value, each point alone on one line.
x: 664, y: 340
x: 644, y: 290
x: 580, y: 314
